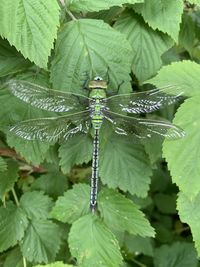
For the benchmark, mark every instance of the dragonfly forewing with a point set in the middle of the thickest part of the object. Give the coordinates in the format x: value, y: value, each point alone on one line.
x: 144, y: 102
x: 47, y: 99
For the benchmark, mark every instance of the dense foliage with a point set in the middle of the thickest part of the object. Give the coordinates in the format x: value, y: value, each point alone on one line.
x: 148, y: 211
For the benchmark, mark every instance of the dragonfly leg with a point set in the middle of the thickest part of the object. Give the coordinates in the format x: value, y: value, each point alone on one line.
x: 108, y: 76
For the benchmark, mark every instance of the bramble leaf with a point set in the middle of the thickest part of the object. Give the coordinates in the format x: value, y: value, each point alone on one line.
x: 138, y: 244
x: 94, y: 49
x: 189, y: 213
x: 32, y: 151
x: 187, y: 33
x: 8, y: 177
x: 122, y: 214
x: 89, y: 246
x: 14, y: 258
x: 10, y: 60
x: 3, y: 165
x: 33, y: 27
x: 148, y: 45
x: 157, y: 13
x: 161, y: 199
x: 53, y: 183
x: 90, y: 5
x: 176, y: 255
x: 184, y: 74
x: 76, y: 150
x: 186, y: 150
x: 41, y: 241
x: 36, y: 205
x: 13, y: 223
x: 73, y: 205
x: 124, y: 164
x: 196, y: 2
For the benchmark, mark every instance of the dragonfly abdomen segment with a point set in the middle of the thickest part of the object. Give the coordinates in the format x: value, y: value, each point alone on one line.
x: 95, y: 172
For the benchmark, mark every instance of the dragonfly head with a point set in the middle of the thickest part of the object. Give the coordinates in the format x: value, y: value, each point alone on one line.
x: 97, y: 83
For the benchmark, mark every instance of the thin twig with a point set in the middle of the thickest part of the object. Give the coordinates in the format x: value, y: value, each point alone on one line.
x: 4, y: 200
x: 62, y: 2
x: 71, y: 15
x: 15, y: 197
x: 24, y: 262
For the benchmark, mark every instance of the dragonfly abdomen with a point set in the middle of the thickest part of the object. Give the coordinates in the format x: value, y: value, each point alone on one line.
x: 97, y: 122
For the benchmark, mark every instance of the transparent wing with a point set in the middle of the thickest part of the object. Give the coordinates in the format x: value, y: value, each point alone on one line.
x: 47, y: 99
x: 144, y: 102
x: 143, y: 128
x: 52, y: 129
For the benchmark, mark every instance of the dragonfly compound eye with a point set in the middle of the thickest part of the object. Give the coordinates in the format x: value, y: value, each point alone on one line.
x: 98, y: 78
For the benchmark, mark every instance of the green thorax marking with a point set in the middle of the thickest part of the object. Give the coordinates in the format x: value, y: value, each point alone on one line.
x: 98, y: 92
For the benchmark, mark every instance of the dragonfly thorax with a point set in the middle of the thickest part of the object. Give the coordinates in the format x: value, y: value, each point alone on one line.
x: 97, y: 93
x: 97, y: 105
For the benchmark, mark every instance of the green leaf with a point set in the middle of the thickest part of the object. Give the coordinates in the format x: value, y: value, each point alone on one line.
x: 10, y: 60
x: 41, y: 241
x: 154, y: 152
x: 196, y: 2
x: 176, y: 255
x: 184, y: 74
x: 107, y: 16
x: 33, y: 27
x: 157, y: 13
x: 53, y: 184
x: 73, y: 205
x: 161, y: 200
x: 8, y: 178
x: 187, y: 33
x: 90, y: 5
x: 148, y: 45
x: 122, y: 214
x: 3, y: 165
x: 55, y: 264
x: 94, y: 48
x: 124, y: 164
x: 138, y: 244
x: 32, y: 151
x: 189, y: 213
x: 14, y: 258
x: 76, y: 150
x: 36, y: 205
x: 13, y: 223
x: 164, y: 233
x: 183, y: 155
x: 95, y: 247
x: 38, y: 77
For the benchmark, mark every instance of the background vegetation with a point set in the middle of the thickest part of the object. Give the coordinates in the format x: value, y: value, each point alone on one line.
x: 148, y: 216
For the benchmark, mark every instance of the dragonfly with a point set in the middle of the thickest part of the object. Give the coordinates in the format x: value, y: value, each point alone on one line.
x: 83, y: 113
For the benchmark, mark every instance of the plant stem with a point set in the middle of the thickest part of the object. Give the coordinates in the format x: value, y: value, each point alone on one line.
x: 71, y: 15
x: 4, y: 200
x: 15, y: 197
x: 17, y: 203
x: 24, y: 262
x: 62, y: 2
